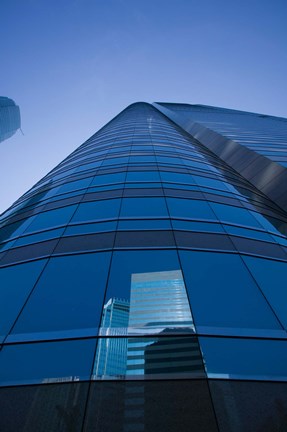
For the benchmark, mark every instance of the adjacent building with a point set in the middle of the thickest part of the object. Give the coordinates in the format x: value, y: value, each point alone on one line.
x: 143, y: 280
x: 10, y: 120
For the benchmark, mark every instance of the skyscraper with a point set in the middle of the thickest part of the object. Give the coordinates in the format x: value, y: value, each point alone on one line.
x: 143, y: 280
x: 9, y: 118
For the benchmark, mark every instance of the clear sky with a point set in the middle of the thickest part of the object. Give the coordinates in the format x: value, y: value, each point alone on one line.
x: 72, y: 65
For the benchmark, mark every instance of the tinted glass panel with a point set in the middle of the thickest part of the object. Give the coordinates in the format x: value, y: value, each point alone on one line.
x: 245, y: 358
x: 223, y: 293
x: 249, y: 406
x: 185, y: 208
x: 147, y: 291
x: 46, y: 362
x: 43, y: 408
x: 52, y: 218
x: 143, y: 207
x: 156, y: 357
x: 235, y: 215
x: 16, y: 283
x: 152, y: 406
x: 68, y: 296
x: 271, y: 276
x: 92, y: 211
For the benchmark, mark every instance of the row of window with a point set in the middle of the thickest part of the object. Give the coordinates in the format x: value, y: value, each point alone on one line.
x: 69, y: 293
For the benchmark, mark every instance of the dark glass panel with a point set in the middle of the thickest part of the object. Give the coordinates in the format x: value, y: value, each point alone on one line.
x: 222, y: 292
x: 90, y: 228
x: 16, y: 283
x: 196, y: 226
x: 34, y: 238
x: 271, y: 276
x: 82, y: 243
x: 14, y: 229
x: 43, y: 408
x: 145, y: 224
x: 46, y: 362
x: 250, y: 406
x: 29, y: 252
x: 152, y: 406
x: 69, y: 295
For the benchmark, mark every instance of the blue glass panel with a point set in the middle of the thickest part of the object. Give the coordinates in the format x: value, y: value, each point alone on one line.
x: 186, y: 208
x: 137, y: 207
x: 46, y: 362
x: 146, y: 293
x: 69, y: 295
x: 176, y: 177
x: 115, y: 161
x: 245, y: 358
x: 134, y: 176
x: 72, y: 186
x: 107, y: 179
x: 16, y: 283
x: 90, y: 228
x: 205, y: 181
x: 222, y: 292
x: 88, y: 166
x: 15, y: 229
x: 92, y: 211
x: 236, y: 215
x: 34, y: 238
x: 271, y: 276
x: 51, y: 218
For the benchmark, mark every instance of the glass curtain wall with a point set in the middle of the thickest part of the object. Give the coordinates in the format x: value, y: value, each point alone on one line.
x: 143, y: 287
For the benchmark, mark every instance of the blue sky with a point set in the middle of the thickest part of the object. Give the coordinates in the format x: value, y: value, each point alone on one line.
x: 71, y: 65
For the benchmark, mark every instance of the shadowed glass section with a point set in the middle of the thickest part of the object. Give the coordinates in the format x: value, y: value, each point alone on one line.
x: 150, y: 406
x: 16, y: 283
x: 68, y: 296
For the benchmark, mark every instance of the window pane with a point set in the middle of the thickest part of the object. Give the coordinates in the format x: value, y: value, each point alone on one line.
x: 92, y: 211
x: 190, y: 209
x: 16, y: 283
x: 223, y: 294
x: 137, y: 207
x: 46, y: 362
x: 68, y: 296
x: 245, y: 358
x: 146, y: 293
x: 271, y: 276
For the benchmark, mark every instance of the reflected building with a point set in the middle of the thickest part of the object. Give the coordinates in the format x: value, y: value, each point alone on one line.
x: 143, y: 280
x: 111, y: 355
x: 10, y: 120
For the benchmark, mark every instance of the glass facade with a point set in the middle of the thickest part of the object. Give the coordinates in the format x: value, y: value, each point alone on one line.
x: 143, y: 288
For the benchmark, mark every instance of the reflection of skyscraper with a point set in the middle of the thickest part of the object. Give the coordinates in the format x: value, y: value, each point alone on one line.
x: 112, y: 351
x: 9, y: 118
x: 159, y: 300
x: 159, y: 304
